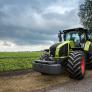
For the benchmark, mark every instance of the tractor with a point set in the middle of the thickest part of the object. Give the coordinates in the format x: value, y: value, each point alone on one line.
x: 72, y: 53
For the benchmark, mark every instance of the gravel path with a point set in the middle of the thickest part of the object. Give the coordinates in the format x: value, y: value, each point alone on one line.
x: 30, y: 81
x: 84, y: 85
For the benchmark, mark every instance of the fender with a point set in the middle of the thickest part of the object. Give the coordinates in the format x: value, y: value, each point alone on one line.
x: 70, y: 45
x: 87, y: 45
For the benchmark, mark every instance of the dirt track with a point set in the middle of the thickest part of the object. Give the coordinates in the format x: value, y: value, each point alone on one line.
x: 84, y: 85
x: 29, y: 81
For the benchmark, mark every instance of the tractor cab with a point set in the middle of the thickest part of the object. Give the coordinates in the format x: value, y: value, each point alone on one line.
x: 78, y: 36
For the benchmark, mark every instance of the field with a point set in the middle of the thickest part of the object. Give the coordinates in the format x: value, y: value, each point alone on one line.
x: 11, y: 61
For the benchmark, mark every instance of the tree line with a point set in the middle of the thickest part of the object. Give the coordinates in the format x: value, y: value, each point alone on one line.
x: 85, y: 14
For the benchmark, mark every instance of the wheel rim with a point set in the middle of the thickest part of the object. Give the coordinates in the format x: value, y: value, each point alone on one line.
x: 82, y: 65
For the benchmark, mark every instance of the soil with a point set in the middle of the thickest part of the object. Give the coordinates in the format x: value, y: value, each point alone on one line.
x: 29, y: 81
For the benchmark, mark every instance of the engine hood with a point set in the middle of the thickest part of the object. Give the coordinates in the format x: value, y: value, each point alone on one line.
x: 61, y: 49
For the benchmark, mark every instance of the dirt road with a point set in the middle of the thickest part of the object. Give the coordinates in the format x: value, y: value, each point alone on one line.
x: 29, y: 81
x: 84, y: 85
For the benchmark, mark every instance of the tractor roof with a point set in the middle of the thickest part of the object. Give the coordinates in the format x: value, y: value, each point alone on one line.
x: 76, y: 29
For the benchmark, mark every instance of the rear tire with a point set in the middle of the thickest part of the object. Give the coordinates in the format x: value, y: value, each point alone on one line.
x: 76, y: 65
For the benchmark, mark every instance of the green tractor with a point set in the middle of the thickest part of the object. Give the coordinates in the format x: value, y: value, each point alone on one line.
x: 73, y: 53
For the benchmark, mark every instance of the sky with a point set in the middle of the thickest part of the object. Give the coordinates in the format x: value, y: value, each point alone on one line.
x: 32, y: 25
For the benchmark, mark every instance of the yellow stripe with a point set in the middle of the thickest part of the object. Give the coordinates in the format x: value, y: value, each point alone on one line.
x: 87, y: 44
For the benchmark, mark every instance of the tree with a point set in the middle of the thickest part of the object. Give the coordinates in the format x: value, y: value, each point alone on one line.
x: 85, y: 14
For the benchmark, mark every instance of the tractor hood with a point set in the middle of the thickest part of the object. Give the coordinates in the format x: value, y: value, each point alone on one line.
x: 61, y: 49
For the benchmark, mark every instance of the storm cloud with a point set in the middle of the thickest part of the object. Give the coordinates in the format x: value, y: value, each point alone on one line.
x: 36, y: 22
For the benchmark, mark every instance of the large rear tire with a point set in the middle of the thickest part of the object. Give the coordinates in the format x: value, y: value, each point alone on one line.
x: 76, y: 65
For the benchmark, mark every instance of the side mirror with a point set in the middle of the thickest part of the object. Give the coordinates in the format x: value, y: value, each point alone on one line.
x: 60, y: 36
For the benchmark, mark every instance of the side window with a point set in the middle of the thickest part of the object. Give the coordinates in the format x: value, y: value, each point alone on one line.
x: 90, y: 36
x: 83, y: 37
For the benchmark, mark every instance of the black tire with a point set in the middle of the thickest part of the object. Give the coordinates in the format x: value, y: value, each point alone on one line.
x: 76, y: 65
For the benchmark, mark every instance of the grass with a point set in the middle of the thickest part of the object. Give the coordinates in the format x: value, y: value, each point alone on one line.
x: 11, y: 61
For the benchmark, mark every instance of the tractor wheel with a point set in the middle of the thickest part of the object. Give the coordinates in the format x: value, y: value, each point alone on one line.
x: 76, y: 65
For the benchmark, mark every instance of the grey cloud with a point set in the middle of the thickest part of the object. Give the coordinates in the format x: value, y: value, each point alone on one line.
x: 23, y: 36
x: 24, y: 21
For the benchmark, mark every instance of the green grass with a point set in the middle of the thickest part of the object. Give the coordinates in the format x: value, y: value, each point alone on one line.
x: 11, y: 61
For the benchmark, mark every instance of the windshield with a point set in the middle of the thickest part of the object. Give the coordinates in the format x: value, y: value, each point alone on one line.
x: 75, y: 36
x: 72, y: 36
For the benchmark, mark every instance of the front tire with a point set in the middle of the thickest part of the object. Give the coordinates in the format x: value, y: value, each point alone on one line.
x: 76, y: 65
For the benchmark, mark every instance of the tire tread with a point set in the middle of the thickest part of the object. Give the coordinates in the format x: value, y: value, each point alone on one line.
x: 73, y: 65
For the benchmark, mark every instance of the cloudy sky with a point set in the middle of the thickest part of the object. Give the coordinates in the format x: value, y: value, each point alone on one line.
x: 28, y: 25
